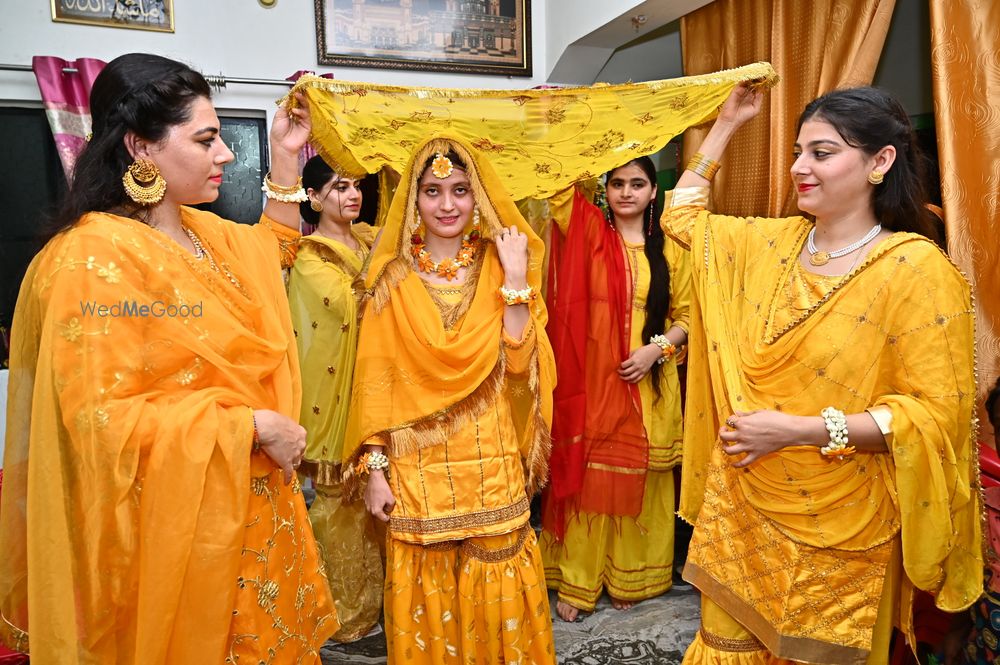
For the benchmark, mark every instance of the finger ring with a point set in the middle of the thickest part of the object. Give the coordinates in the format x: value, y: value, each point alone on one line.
x: 731, y: 421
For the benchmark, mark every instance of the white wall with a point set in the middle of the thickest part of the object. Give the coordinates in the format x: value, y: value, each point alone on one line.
x: 237, y: 38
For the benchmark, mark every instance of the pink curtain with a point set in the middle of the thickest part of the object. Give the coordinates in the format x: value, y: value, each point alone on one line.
x: 66, y: 96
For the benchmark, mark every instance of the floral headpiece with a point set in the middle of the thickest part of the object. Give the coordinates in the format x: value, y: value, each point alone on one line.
x: 441, y: 167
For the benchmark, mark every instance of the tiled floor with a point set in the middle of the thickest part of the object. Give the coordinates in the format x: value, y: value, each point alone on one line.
x: 654, y: 632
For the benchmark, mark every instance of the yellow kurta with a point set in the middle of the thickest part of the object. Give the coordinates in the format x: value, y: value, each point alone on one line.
x: 799, y: 549
x: 323, y: 292
x: 632, y: 557
x: 463, y: 411
x: 136, y: 525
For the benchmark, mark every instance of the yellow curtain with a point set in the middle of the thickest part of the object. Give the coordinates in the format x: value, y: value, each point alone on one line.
x: 815, y: 46
x: 965, y: 43
x: 539, y: 141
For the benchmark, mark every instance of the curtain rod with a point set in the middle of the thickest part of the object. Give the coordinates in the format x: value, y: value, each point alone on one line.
x: 217, y: 81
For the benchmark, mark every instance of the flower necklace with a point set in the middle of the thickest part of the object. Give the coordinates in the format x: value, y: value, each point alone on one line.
x: 447, y: 268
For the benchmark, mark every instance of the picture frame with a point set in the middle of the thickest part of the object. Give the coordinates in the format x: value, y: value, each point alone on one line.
x: 456, y: 36
x: 153, y: 15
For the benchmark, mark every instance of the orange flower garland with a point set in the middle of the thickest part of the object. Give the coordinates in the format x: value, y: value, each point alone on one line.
x: 447, y: 268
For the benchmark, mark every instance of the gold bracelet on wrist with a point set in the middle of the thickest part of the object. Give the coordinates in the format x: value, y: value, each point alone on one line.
x: 284, y: 193
x: 704, y: 166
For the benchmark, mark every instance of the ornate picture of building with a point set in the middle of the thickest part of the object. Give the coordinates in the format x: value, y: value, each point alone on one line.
x: 474, y: 36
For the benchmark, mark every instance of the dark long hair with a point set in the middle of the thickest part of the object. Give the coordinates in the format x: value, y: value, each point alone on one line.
x: 138, y: 92
x: 315, y: 174
x: 658, y: 296
x: 870, y: 119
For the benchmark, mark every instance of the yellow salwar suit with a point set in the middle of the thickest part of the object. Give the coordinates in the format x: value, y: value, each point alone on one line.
x: 463, y: 411
x: 323, y: 292
x: 631, y: 557
x: 137, y: 526
x: 801, y: 556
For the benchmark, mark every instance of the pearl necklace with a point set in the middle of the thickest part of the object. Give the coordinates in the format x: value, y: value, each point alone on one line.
x: 818, y: 258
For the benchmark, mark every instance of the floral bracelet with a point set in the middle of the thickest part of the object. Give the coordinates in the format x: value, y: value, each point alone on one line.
x: 667, y: 348
x: 517, y: 296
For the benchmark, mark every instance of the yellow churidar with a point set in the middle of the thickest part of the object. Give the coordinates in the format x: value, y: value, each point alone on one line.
x: 632, y: 557
x: 136, y: 524
x: 323, y: 292
x: 539, y: 141
x: 799, y: 549
x: 464, y: 413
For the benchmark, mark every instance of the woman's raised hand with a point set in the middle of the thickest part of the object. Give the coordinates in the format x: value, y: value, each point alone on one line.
x: 742, y: 105
x: 291, y: 126
x: 512, y: 248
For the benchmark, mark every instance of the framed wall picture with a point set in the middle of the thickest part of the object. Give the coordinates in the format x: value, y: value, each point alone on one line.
x: 462, y: 36
x: 155, y: 15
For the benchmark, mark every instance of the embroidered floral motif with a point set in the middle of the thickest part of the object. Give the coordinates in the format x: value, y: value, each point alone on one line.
x: 72, y: 330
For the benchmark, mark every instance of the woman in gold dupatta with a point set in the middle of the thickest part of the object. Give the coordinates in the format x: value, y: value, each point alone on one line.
x: 150, y: 508
x: 323, y: 292
x: 453, y: 383
x: 619, y: 314
x: 829, y: 458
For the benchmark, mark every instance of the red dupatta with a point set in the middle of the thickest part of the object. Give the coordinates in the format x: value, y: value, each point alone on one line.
x: 599, y: 446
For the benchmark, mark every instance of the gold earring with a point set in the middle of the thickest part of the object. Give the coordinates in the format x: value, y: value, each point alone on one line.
x: 876, y: 177
x: 316, y: 206
x: 143, y: 182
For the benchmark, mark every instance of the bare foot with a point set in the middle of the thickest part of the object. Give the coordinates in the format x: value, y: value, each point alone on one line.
x: 566, y: 611
x: 622, y: 604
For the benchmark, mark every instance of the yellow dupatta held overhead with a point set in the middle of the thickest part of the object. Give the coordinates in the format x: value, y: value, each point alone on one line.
x: 897, y: 331
x: 539, y: 141
x: 136, y: 525
x: 417, y: 380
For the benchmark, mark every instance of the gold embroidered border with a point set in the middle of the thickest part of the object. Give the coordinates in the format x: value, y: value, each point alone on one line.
x: 322, y: 472
x: 782, y: 646
x: 482, y: 518
x: 597, y: 466
x: 473, y: 551
x: 14, y: 637
x: 730, y: 644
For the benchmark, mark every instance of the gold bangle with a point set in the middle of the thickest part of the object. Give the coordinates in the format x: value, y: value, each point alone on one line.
x: 704, y: 166
x: 283, y: 193
x: 282, y: 189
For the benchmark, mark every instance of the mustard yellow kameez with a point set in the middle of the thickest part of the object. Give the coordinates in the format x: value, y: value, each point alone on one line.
x: 323, y: 292
x: 463, y: 411
x: 632, y: 557
x: 801, y: 556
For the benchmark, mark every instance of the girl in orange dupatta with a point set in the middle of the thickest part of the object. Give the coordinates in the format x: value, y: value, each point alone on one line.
x: 617, y: 292
x: 150, y: 512
x: 830, y: 446
x: 454, y: 386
